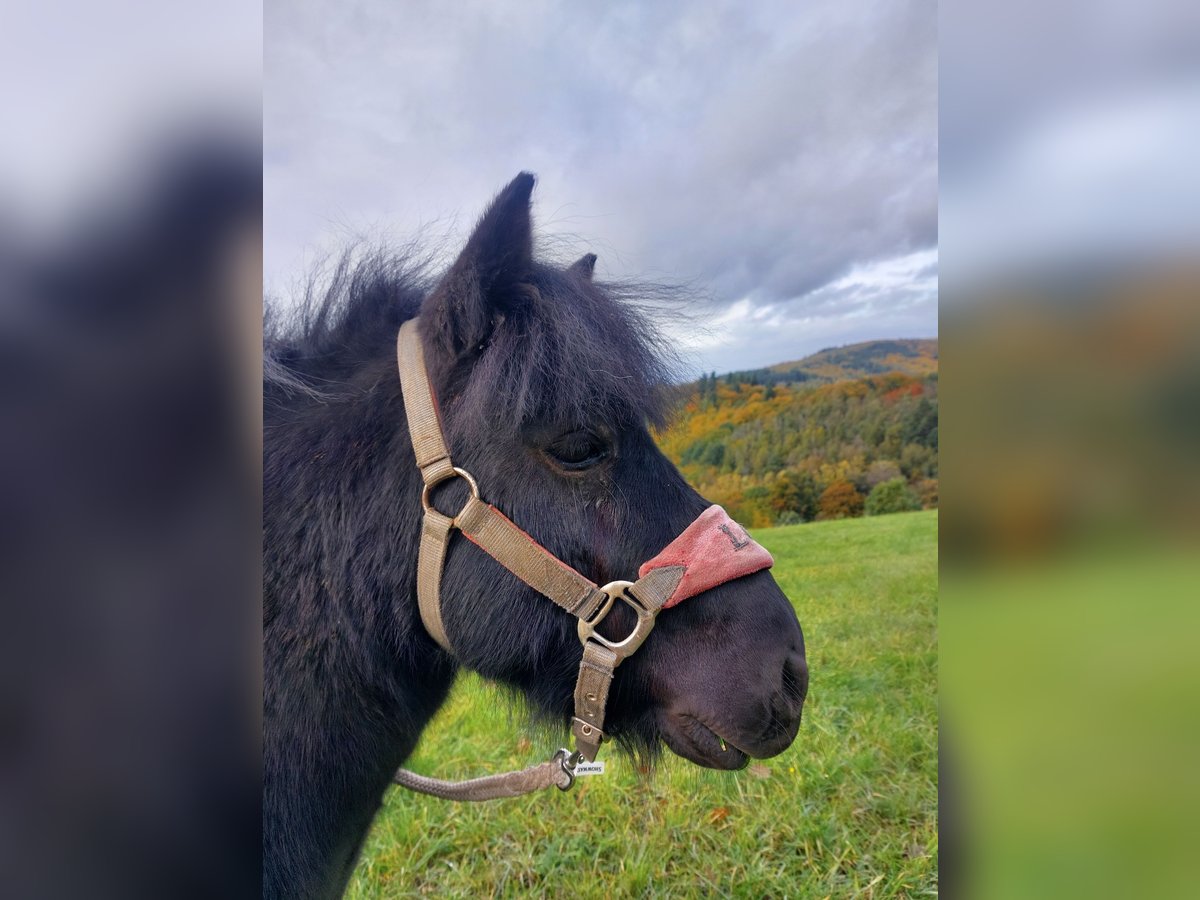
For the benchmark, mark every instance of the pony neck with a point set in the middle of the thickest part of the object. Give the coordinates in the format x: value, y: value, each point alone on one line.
x: 351, y: 678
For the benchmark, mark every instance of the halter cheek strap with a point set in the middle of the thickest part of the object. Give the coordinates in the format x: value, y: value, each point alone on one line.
x: 712, y: 550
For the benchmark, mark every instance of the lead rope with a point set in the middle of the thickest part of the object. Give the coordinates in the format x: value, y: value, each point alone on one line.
x: 495, y: 534
x: 558, y: 771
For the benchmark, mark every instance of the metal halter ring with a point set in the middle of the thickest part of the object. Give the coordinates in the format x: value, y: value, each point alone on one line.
x: 455, y: 472
x: 628, y: 644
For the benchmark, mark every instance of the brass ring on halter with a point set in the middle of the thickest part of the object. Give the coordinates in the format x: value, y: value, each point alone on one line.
x: 455, y: 472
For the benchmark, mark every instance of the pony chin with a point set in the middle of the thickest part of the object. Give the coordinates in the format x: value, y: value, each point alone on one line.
x: 690, y: 738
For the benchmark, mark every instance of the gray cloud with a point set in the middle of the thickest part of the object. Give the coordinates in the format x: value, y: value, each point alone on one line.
x: 763, y: 150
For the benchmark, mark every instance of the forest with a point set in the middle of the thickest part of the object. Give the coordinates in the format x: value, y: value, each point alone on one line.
x: 778, y: 451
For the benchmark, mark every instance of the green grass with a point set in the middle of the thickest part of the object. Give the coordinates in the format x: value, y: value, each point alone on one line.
x: 849, y: 810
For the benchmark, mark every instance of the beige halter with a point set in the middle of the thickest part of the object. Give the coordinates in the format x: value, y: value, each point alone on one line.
x: 497, y: 536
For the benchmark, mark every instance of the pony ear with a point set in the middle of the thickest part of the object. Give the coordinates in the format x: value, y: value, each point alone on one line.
x: 584, y: 266
x: 489, y: 276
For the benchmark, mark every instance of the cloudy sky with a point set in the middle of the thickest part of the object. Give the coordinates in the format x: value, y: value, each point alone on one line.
x: 781, y: 157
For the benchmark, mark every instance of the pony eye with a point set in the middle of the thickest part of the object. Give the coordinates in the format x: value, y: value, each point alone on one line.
x: 579, y: 450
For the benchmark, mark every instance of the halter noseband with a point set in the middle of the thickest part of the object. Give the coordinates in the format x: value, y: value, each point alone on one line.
x: 713, y: 549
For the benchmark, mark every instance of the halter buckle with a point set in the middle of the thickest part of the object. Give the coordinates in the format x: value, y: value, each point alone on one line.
x: 613, y: 591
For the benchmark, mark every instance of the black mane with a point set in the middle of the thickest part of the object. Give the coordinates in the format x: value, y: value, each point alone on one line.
x: 570, y: 347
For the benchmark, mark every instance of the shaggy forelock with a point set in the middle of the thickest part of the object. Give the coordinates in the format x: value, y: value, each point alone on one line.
x: 575, y: 351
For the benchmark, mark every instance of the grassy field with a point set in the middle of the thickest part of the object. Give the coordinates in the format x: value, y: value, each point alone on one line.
x: 849, y: 810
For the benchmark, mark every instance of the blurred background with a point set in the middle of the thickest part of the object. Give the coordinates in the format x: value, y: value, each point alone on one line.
x: 130, y: 303
x: 1070, y: 223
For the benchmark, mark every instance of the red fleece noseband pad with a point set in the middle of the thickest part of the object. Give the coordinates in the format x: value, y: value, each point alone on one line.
x: 714, y: 549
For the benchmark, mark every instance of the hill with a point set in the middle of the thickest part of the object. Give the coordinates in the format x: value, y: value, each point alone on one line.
x: 909, y: 356
x: 774, y: 449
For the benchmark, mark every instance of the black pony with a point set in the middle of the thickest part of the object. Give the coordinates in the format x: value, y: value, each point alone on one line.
x: 547, y: 384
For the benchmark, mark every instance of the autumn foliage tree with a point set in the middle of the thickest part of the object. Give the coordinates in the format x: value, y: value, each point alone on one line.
x: 891, y: 497
x: 841, y: 500
x: 794, y: 492
x: 927, y: 492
